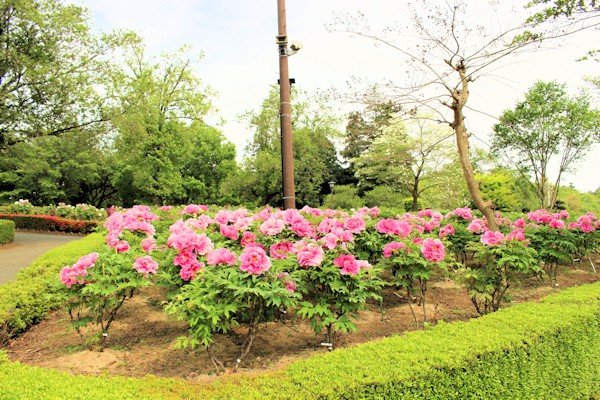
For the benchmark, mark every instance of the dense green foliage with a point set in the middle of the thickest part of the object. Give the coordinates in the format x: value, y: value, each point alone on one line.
x: 7, y: 231
x: 315, y: 162
x: 25, y: 301
x: 547, y: 350
x: 52, y: 70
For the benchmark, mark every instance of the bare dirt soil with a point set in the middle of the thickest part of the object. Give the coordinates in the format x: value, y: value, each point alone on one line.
x: 142, y: 338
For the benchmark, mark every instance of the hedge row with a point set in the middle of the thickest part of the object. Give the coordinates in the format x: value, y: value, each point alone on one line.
x: 50, y: 223
x: 24, y: 301
x: 7, y: 231
x: 547, y: 350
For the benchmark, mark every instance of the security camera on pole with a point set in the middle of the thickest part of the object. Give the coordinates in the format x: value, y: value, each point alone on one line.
x: 285, y: 108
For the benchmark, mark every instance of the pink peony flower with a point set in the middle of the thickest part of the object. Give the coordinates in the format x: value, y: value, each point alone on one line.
x: 115, y: 224
x: 394, y: 227
x: 302, y: 227
x: 71, y: 276
x: 517, y: 234
x: 145, y: 265
x: 200, y: 244
x: 557, y: 224
x: 563, y: 214
x: 254, y: 260
x: 271, y: 227
x: 200, y: 223
x: 586, y: 223
x: 464, y: 212
x: 447, y: 230
x: 190, y: 270
x: 573, y: 225
x: 326, y: 225
x: 428, y: 226
x: 281, y: 250
x: 374, y: 212
x: 355, y: 225
x: 310, y: 255
x: 476, y: 226
x: 229, y: 231
x: 224, y: 216
x: 243, y: 224
x: 348, y: 264
x: 247, y: 239
x: 148, y: 244
x: 221, y: 256
x: 87, y: 261
x: 122, y: 246
x: 194, y: 209
x: 433, y: 250
x: 428, y: 212
x: 363, y: 264
x: 519, y: 223
x: 184, y: 258
x: 391, y: 248
x: 491, y: 238
x: 166, y: 208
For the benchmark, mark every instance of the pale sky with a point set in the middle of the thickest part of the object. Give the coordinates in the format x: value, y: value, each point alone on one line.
x: 237, y: 38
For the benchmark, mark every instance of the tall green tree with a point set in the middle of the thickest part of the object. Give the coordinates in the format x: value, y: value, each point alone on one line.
x: 547, y: 126
x: 408, y: 157
x: 162, y: 97
x: 211, y: 162
x: 315, y: 162
x: 51, y: 69
x: 363, y: 128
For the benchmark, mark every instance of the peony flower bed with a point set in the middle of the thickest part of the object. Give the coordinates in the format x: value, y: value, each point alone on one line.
x: 227, y: 268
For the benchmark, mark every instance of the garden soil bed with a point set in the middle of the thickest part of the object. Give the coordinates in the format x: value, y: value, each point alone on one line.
x: 142, y: 339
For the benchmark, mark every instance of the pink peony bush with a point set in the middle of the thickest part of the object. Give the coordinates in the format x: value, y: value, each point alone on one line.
x: 227, y: 268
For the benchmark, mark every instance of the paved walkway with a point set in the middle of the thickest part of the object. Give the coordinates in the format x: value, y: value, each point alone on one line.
x: 25, y: 249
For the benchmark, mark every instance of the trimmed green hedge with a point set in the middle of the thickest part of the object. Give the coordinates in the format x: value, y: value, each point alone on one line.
x: 7, y: 231
x: 547, y: 350
x: 24, y: 301
x: 50, y: 223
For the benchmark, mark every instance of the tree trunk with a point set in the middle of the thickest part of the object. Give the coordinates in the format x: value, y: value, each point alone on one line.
x: 460, y: 97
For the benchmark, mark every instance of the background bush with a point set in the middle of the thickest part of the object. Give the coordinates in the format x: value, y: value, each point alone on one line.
x: 50, y: 223
x: 26, y: 300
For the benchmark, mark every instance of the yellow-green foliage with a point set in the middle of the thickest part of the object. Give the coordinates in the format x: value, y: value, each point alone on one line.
x: 7, y: 231
x: 26, y: 300
x: 547, y: 350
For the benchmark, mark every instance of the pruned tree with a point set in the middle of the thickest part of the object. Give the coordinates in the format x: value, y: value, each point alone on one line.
x: 451, y: 52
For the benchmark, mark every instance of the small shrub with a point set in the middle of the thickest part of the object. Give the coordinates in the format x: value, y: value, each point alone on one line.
x: 26, y: 300
x: 7, y: 231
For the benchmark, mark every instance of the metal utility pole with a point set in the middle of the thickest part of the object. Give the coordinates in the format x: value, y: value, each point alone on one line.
x: 285, y: 111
